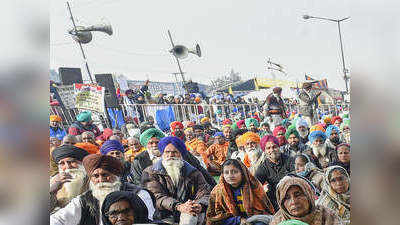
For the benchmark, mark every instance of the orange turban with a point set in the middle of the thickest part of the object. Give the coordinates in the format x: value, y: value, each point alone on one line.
x: 317, y: 127
x: 250, y: 136
x: 176, y: 124
x: 55, y: 118
x: 239, y: 141
x: 89, y: 147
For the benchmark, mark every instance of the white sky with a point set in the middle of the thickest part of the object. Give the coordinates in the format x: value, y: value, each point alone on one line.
x: 232, y: 34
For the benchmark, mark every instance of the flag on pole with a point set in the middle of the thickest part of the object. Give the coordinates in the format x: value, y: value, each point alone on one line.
x: 318, y: 84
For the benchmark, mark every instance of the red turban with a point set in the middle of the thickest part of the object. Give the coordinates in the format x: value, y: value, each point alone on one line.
x: 226, y: 122
x: 336, y: 118
x: 176, y: 124
x: 278, y: 129
x: 106, y: 162
x: 240, y: 123
x: 266, y: 139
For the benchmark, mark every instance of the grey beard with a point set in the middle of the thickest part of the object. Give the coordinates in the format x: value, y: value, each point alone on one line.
x: 254, y: 154
x: 319, y: 150
x: 303, y: 134
x: 101, y: 190
x: 73, y: 188
x: 173, y: 168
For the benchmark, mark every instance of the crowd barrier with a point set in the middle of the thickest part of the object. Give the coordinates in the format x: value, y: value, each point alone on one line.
x: 183, y: 112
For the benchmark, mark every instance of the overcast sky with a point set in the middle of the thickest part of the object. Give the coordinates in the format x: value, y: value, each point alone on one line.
x: 238, y: 35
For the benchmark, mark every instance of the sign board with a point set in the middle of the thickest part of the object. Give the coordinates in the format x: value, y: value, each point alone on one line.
x: 89, y: 97
x: 67, y: 95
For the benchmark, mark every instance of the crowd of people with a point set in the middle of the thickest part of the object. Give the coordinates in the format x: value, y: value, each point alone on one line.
x: 273, y: 167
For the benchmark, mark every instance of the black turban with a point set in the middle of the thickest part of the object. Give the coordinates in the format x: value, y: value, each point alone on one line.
x: 65, y: 151
x: 139, y: 208
x: 198, y: 127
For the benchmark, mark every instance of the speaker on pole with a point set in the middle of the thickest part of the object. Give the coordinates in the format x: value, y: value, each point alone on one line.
x: 70, y: 76
x: 110, y: 96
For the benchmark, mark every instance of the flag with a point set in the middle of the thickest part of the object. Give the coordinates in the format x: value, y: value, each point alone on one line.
x: 230, y: 90
x: 317, y: 84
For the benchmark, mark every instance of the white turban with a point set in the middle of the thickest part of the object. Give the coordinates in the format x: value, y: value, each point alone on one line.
x: 301, y: 122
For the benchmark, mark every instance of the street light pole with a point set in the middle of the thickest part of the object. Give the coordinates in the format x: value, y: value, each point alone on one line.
x: 345, y: 71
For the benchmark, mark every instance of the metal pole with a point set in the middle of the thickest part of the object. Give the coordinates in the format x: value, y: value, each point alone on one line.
x: 80, y: 45
x: 344, y: 65
x: 177, y: 61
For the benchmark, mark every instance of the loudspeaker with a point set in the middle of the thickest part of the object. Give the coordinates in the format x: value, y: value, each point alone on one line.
x: 110, y: 96
x: 70, y: 76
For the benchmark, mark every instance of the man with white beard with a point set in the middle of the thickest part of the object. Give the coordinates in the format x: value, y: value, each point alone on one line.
x: 255, y: 156
x: 319, y: 152
x: 70, y: 180
x: 302, y: 128
x: 181, y: 190
x: 104, y: 177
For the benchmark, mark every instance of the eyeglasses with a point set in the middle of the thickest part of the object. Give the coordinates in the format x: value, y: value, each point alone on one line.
x: 114, y: 214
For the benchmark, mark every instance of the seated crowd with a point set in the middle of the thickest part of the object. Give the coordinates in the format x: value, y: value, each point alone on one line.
x: 248, y: 171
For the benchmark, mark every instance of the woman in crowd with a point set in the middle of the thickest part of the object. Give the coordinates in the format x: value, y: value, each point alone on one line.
x: 296, y: 200
x: 305, y: 168
x: 237, y: 197
x: 124, y: 208
x: 342, y: 157
x: 336, y: 192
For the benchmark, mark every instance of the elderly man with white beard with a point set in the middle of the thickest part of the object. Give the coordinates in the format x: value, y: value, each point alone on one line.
x: 319, y: 152
x: 302, y: 128
x: 254, y: 155
x: 104, y: 177
x: 70, y: 180
x: 181, y: 190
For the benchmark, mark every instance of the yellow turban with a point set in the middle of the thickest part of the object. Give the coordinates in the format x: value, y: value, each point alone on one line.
x: 55, y: 118
x: 205, y: 120
x: 317, y: 127
x: 250, y: 136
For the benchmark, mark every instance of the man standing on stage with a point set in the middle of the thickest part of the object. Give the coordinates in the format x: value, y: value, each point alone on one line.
x: 308, y: 103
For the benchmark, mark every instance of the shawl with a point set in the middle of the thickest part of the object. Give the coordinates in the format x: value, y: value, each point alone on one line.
x: 222, y: 205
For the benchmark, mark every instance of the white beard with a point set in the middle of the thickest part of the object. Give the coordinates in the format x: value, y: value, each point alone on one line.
x: 101, y: 190
x: 303, y: 134
x: 73, y: 188
x: 254, y: 154
x: 319, y: 150
x: 173, y: 168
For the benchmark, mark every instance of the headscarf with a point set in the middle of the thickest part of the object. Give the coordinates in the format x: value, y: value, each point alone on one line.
x: 251, y: 121
x: 266, y: 139
x: 106, y: 162
x: 328, y: 195
x: 222, y: 204
x: 89, y: 147
x: 301, y: 122
x: 176, y: 142
x: 291, y: 130
x: 227, y: 122
x: 111, y: 145
x: 150, y: 133
x: 317, y: 127
x: 176, y: 124
x: 55, y: 118
x: 205, y: 120
x: 346, y: 123
x: 84, y: 116
x: 336, y: 118
x: 328, y: 131
x: 315, y: 134
x: 138, y: 206
x: 318, y: 215
x: 250, y: 136
x: 65, y: 151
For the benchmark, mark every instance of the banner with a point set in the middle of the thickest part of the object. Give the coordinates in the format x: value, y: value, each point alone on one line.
x: 268, y: 82
x: 89, y: 97
x: 67, y: 95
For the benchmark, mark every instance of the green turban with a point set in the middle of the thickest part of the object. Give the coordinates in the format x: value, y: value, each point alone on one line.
x: 250, y: 121
x: 292, y: 222
x: 84, y: 116
x: 291, y: 130
x: 150, y: 133
x: 234, y: 127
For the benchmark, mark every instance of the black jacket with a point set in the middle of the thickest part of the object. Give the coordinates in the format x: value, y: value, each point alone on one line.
x: 271, y: 173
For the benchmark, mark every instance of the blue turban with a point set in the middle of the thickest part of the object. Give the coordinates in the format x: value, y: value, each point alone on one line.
x: 329, y: 130
x: 219, y: 134
x: 235, y: 110
x: 111, y: 145
x: 85, y: 116
x: 315, y: 134
x: 176, y: 142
